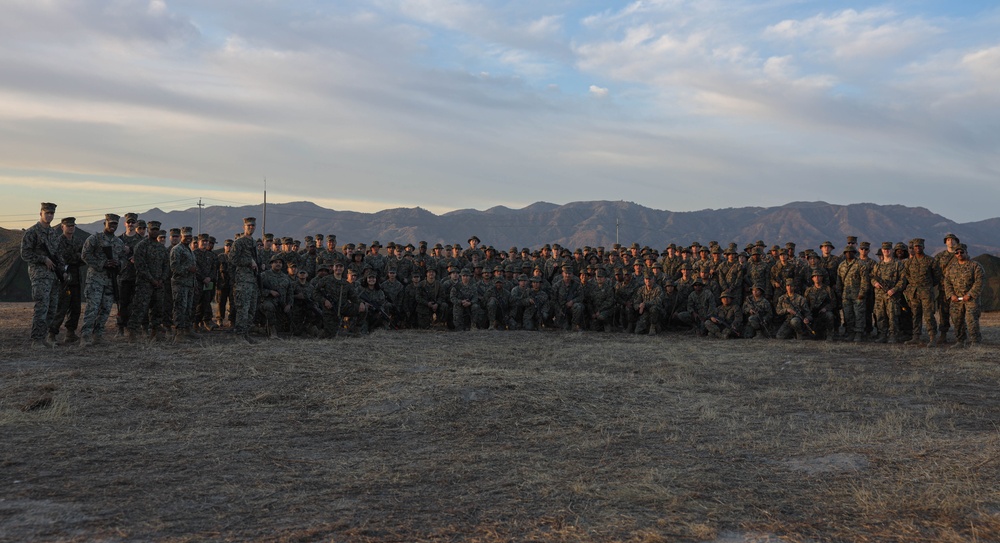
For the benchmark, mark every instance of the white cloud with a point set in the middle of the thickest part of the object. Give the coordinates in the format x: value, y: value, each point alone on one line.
x: 599, y: 92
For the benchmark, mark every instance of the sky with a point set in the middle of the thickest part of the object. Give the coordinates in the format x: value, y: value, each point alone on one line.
x: 364, y: 105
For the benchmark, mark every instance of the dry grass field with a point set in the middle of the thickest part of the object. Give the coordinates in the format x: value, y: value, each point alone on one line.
x: 489, y: 437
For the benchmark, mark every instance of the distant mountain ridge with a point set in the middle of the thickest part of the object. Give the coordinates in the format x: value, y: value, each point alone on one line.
x: 598, y: 223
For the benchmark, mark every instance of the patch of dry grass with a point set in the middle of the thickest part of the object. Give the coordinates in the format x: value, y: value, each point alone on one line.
x: 485, y: 437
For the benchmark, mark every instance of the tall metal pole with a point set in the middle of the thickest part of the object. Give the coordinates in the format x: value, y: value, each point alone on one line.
x: 200, y: 205
x: 617, y: 224
x: 263, y: 227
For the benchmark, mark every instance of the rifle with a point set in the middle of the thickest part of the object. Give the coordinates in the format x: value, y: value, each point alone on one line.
x: 112, y: 273
x: 728, y: 326
x: 377, y: 307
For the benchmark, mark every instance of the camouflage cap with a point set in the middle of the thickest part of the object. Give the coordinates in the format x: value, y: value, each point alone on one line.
x: 522, y: 277
x: 819, y: 272
x: 140, y: 224
x: 865, y: 245
x: 852, y: 239
x: 376, y: 244
x: 727, y: 294
x: 827, y: 244
x: 917, y: 242
x: 951, y: 236
x: 203, y: 237
x: 535, y: 279
x: 887, y: 245
x: 850, y: 249
x: 175, y: 231
x: 68, y: 221
x: 698, y: 283
x: 187, y: 230
x: 789, y: 282
x: 900, y: 246
x: 963, y: 247
x: 268, y: 237
x: 466, y: 271
x: 669, y: 283
x: 758, y: 286
x: 228, y: 242
x: 131, y: 217
x: 277, y: 258
x: 473, y: 238
x: 48, y: 207
x: 111, y: 217
x: 601, y: 272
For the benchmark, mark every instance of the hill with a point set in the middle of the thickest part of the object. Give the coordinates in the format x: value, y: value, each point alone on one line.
x: 599, y: 223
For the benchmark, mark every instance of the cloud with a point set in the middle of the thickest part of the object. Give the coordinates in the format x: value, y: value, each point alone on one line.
x: 599, y: 92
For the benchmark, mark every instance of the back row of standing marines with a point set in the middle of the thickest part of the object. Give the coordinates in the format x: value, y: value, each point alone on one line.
x: 169, y: 280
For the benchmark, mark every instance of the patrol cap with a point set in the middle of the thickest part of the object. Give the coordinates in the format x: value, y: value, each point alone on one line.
x: 789, y: 282
x: 48, y: 206
x: 286, y: 241
x: 726, y: 294
x: 917, y: 242
x: 601, y: 272
x: 250, y: 220
x: 203, y: 237
x: 111, y: 217
x: 827, y: 244
x: 535, y: 279
x: 758, y: 286
x: 277, y: 258
x: 331, y: 238
x: 887, y: 245
x: 850, y: 249
x: 963, y: 247
x: 175, y: 231
x: 669, y: 283
x: 473, y: 238
x: 140, y: 223
x: 466, y: 271
x: 522, y: 277
x: 818, y: 271
x: 228, y: 243
x: 131, y: 217
x: 376, y: 244
x: 68, y: 221
x: 865, y: 245
x: 900, y: 246
x: 951, y: 236
x: 698, y: 282
x: 498, y: 279
x: 162, y: 234
x: 852, y: 239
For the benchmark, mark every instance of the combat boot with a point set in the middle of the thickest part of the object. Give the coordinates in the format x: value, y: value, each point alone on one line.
x: 858, y: 337
x: 882, y: 338
x: 70, y: 338
x: 51, y: 338
x: 191, y: 334
x: 130, y: 335
x: 931, y: 341
x: 915, y: 340
x: 272, y: 330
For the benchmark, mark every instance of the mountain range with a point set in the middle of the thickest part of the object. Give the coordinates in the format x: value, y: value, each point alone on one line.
x: 595, y: 223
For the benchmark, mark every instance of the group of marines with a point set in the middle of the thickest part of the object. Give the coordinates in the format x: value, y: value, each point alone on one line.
x: 167, y: 281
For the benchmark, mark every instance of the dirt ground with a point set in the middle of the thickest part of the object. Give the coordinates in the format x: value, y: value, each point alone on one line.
x: 498, y: 436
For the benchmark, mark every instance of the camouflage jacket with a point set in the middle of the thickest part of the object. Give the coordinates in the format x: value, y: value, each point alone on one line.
x: 964, y: 279
x: 922, y: 272
x: 152, y: 261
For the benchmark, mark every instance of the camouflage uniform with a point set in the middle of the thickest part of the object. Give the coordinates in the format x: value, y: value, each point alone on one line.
x: 822, y: 303
x: 462, y: 293
x: 944, y: 260
x: 99, y: 291
x: 600, y: 303
x: 965, y: 281
x: 224, y: 290
x: 126, y: 277
x: 41, y: 242
x: 922, y: 278
x: 242, y: 264
x: 70, y: 292
x: 794, y: 309
x: 498, y: 306
x: 758, y: 313
x: 275, y: 298
x: 728, y: 323
x: 183, y: 284
x: 152, y: 265
x: 536, y: 306
x: 854, y: 284
x: 343, y: 300
x: 700, y: 304
x: 431, y: 293
x: 890, y: 275
x: 568, y: 302
x: 651, y: 311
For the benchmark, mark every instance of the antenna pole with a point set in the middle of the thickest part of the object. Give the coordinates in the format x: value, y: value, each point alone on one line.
x: 263, y: 227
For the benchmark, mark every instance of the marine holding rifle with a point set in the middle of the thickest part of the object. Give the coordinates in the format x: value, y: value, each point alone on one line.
x: 104, y: 254
x: 39, y: 249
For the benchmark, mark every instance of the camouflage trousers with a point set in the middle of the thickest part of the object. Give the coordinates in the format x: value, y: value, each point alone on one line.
x: 922, y: 310
x: 965, y: 320
x: 791, y: 325
x: 425, y: 316
x: 224, y: 301
x: 854, y: 315
x: 944, y: 319
x: 566, y: 316
x: 45, y: 294
x: 533, y: 317
x: 886, y: 314
x: 245, y: 301
x: 183, y: 305
x: 99, y: 294
x: 756, y: 326
x: 497, y: 313
x: 467, y: 317
x: 147, y: 306
x: 650, y: 316
x: 70, y: 300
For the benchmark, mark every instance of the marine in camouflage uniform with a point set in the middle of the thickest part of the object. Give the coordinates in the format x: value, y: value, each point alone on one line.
x: 103, y: 253
x: 794, y: 310
x: 922, y: 279
x: 963, y: 287
x: 465, y: 302
x: 378, y: 309
x: 568, y: 300
x: 432, y: 301
x: 536, y: 306
x: 207, y: 278
x: 625, y: 287
x: 70, y: 289
x: 276, y: 292
x: 184, y: 285
x: 245, y: 268
x: 126, y: 276
x: 338, y: 300
x: 152, y: 266
x: 40, y: 250
x: 758, y: 312
x: 498, y: 305
x: 700, y: 304
x: 944, y: 260
x: 758, y: 272
x: 731, y: 276
x: 889, y: 281
x: 727, y: 321
x: 600, y: 302
x: 224, y: 289
x: 303, y: 315
x: 822, y: 303
x: 648, y: 303
x: 853, y: 283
